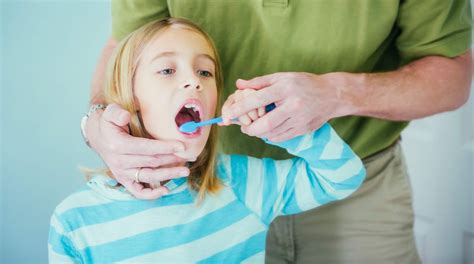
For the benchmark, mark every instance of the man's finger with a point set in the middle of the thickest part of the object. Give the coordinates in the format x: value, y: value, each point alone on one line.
x: 289, y: 134
x: 139, y: 191
x: 259, y: 99
x: 225, y: 110
x: 257, y: 82
x: 116, y: 115
x: 150, y: 161
x: 266, y: 123
x: 150, y: 175
x: 145, y: 146
x: 283, y: 127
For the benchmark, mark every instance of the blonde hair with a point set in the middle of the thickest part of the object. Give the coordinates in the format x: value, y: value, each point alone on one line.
x: 119, y: 89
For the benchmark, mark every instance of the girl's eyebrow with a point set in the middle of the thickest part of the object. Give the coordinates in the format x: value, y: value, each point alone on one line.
x: 164, y: 54
x: 207, y: 56
x: 172, y: 53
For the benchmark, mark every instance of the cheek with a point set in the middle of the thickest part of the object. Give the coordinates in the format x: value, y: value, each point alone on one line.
x: 212, y: 102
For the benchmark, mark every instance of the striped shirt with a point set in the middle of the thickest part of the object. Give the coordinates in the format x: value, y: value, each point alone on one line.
x: 103, y: 223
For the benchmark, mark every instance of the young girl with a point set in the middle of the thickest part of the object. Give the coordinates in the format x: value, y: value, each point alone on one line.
x: 165, y: 74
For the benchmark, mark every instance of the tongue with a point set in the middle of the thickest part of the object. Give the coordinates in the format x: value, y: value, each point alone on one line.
x: 183, y: 118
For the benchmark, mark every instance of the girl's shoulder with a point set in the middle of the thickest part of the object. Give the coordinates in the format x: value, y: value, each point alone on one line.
x: 97, y: 191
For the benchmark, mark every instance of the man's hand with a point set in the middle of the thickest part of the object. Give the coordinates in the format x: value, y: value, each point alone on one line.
x: 124, y: 155
x: 303, y: 101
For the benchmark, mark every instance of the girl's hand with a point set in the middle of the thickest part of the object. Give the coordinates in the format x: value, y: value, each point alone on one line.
x: 247, y: 118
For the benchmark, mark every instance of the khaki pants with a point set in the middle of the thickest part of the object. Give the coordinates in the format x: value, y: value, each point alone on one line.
x: 373, y: 225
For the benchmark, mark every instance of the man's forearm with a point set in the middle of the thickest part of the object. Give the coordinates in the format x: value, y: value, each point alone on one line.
x: 422, y: 88
x: 96, y: 96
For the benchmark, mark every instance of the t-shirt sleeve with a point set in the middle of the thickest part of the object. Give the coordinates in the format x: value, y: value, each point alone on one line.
x: 61, y: 248
x: 433, y: 27
x: 130, y: 15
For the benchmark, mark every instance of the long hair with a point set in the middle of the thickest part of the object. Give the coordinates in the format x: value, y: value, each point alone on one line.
x: 119, y: 89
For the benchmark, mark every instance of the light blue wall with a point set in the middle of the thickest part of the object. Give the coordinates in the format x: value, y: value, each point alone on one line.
x: 49, y: 53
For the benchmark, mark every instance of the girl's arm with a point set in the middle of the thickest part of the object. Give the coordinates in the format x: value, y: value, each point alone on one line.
x: 325, y: 169
x: 60, y: 246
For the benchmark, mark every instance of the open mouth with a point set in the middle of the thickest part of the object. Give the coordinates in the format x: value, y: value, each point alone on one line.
x: 188, y: 113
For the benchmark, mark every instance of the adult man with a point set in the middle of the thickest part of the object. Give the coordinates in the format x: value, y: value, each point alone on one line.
x: 366, y: 65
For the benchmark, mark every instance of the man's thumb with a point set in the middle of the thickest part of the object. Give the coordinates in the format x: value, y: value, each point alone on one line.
x: 116, y: 115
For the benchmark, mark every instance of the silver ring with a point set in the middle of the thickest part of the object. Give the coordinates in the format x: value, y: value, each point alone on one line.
x: 137, y: 175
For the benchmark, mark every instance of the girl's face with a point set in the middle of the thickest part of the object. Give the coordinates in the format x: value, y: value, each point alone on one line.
x: 175, y: 83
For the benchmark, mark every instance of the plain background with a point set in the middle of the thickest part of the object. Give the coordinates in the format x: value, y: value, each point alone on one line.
x: 48, y: 53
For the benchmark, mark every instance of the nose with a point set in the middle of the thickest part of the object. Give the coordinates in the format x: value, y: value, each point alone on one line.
x: 197, y: 86
x: 192, y: 84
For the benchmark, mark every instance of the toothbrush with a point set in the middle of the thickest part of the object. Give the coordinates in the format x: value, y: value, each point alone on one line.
x: 190, y: 127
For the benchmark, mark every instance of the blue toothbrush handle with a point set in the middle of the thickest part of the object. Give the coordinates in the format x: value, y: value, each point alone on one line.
x: 192, y: 126
x: 270, y: 107
x: 211, y: 121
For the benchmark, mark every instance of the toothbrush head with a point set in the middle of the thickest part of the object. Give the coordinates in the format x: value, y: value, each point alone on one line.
x: 188, y: 127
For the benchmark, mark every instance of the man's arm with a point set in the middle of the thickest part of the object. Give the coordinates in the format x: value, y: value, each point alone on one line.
x: 424, y: 87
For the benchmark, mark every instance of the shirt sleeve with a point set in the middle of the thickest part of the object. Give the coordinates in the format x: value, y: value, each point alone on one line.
x: 60, y: 246
x: 325, y: 169
x: 129, y: 15
x: 433, y: 27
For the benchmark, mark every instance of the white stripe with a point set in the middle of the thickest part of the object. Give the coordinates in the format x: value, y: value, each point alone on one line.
x: 338, y: 194
x: 303, y: 193
x: 333, y: 148
x: 257, y: 258
x: 58, y: 227
x: 149, y: 220
x: 214, y: 243
x: 54, y: 257
x: 254, y: 190
x: 282, y: 169
x: 80, y: 199
x: 305, y: 143
x: 346, y: 171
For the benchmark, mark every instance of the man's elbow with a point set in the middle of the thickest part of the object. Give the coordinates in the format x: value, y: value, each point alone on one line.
x: 460, y: 98
x: 464, y: 67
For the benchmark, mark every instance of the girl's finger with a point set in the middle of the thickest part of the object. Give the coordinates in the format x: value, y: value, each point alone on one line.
x: 261, y: 111
x: 245, y: 120
x: 253, y: 115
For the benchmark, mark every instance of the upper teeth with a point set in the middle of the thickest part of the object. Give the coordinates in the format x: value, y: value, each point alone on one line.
x: 193, y: 106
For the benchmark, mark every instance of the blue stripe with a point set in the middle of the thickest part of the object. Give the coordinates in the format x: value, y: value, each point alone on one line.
x: 90, y: 215
x: 241, y: 251
x: 270, y: 191
x: 61, y: 244
x: 239, y: 170
x: 320, y: 139
x: 221, y: 168
x: 348, y: 184
x: 319, y: 193
x: 167, y: 237
x: 289, y: 195
x: 333, y: 164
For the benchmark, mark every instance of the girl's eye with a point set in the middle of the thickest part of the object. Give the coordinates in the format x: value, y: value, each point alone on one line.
x: 205, y: 73
x: 167, y: 71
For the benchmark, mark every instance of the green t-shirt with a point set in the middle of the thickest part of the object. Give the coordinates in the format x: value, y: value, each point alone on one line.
x: 258, y: 37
